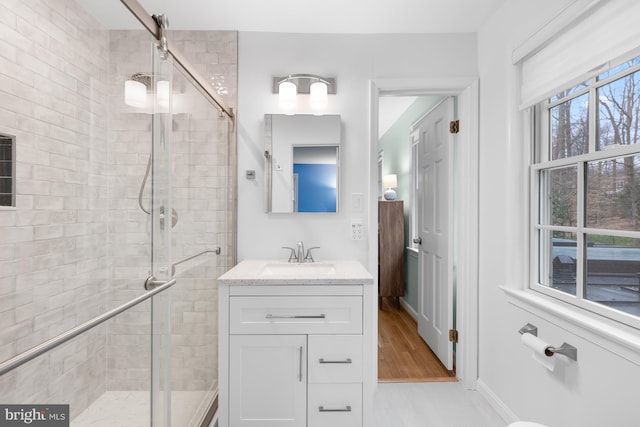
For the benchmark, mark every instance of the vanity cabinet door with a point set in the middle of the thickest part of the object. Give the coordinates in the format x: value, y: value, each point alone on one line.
x: 268, y: 380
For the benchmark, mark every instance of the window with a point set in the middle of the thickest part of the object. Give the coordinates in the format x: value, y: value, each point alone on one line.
x: 586, y: 193
x: 7, y: 170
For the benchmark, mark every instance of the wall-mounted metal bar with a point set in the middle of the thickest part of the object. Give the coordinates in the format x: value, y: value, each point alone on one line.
x: 217, y: 251
x: 150, y: 24
x: 32, y: 353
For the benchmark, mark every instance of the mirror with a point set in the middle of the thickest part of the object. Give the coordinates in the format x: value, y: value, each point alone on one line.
x: 302, y: 163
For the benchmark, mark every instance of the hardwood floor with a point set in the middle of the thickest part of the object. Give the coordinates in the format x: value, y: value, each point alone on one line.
x: 402, y: 354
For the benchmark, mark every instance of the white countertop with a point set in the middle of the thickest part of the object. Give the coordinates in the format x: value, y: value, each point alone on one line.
x: 279, y: 272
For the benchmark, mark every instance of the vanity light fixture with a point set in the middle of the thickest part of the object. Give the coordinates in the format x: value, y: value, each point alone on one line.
x: 317, y: 87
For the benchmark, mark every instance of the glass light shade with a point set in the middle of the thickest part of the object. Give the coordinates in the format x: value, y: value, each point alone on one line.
x: 163, y: 93
x: 135, y: 94
x: 390, y: 181
x: 318, y: 95
x: 287, y: 94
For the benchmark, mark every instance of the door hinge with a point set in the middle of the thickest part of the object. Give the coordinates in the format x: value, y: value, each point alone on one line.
x: 454, y: 126
x: 453, y: 335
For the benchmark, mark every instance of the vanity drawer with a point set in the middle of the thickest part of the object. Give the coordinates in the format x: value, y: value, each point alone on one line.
x: 335, y: 358
x: 335, y: 405
x: 295, y: 315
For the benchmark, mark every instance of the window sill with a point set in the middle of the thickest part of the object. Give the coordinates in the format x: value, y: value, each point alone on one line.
x: 622, y: 340
x: 411, y: 250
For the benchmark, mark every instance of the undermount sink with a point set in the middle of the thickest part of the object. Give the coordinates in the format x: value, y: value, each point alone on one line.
x: 298, y: 269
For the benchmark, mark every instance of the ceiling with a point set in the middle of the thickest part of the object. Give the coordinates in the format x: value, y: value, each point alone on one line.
x: 307, y: 16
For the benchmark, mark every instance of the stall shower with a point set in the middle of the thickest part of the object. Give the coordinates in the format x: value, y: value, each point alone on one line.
x: 95, y: 182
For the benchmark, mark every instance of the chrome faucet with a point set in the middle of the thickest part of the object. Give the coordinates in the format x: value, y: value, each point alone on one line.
x: 299, y: 256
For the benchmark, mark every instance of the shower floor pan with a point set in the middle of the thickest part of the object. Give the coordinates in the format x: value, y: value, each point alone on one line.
x: 131, y: 409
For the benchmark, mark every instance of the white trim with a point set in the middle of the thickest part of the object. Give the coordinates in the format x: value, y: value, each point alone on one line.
x: 467, y: 90
x: 612, y: 336
x: 496, y: 403
x: 409, y: 309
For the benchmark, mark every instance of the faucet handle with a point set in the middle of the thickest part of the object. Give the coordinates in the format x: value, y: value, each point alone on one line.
x: 292, y: 255
x: 309, y: 257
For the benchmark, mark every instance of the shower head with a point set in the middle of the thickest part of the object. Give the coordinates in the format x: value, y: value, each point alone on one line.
x: 144, y: 78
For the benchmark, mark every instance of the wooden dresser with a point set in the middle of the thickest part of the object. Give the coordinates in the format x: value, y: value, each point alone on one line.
x: 390, y: 249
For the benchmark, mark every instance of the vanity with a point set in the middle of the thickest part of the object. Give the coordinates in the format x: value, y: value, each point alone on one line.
x: 297, y: 344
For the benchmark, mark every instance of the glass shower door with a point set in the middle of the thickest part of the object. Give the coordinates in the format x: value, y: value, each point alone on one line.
x: 163, y: 219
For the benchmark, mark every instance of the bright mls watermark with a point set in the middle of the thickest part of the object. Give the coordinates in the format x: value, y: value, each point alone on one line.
x: 34, y: 415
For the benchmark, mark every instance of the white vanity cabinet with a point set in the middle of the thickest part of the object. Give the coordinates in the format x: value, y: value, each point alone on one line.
x: 256, y: 363
x: 296, y: 354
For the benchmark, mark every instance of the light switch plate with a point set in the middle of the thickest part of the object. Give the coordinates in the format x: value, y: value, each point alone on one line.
x: 356, y: 202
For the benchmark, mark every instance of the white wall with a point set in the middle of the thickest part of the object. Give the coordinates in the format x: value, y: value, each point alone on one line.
x: 598, y: 390
x: 354, y: 60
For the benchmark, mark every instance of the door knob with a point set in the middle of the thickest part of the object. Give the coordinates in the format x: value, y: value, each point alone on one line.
x: 418, y: 240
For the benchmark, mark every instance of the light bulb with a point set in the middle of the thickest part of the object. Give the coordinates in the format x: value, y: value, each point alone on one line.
x: 287, y: 94
x: 318, y: 95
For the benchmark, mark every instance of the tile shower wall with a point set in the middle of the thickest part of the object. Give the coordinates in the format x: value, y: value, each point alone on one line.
x: 200, y: 195
x: 67, y: 252
x: 53, y: 268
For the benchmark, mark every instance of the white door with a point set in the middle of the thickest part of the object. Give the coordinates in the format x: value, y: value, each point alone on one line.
x: 268, y: 380
x: 435, y: 213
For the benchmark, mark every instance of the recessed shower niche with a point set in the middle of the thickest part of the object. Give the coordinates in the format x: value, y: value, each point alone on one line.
x: 7, y: 170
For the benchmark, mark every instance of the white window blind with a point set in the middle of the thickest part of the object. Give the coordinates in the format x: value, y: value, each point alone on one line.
x: 580, y: 51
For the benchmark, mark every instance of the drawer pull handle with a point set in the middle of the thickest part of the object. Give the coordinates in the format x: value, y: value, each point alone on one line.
x: 300, y: 365
x: 345, y: 409
x: 318, y: 316
x: 348, y: 360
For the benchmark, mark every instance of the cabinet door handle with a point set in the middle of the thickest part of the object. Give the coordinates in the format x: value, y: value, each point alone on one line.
x: 300, y: 365
x: 273, y: 316
x: 348, y: 360
x: 345, y: 409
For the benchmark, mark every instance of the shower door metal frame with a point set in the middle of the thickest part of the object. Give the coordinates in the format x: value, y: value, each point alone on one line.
x: 152, y: 26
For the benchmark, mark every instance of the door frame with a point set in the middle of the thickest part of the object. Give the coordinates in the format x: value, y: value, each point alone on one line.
x: 466, y: 90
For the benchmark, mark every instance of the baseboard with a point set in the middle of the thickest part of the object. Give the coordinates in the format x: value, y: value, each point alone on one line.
x: 409, y: 309
x: 496, y: 403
